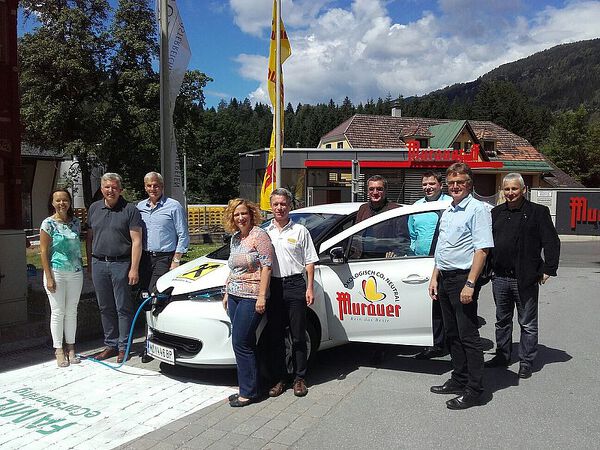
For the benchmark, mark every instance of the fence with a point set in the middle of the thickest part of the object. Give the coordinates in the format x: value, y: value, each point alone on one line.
x: 205, y: 218
x: 201, y: 218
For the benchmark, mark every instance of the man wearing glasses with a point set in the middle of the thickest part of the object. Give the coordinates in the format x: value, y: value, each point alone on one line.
x: 465, y: 238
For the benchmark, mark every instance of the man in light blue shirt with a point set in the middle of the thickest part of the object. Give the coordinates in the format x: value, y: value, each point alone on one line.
x: 464, y: 241
x: 165, y: 232
x: 421, y: 228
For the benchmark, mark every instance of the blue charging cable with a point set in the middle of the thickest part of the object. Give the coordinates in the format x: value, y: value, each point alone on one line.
x: 118, y: 366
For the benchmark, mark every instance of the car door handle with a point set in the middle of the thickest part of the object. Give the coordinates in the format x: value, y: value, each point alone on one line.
x: 415, y: 279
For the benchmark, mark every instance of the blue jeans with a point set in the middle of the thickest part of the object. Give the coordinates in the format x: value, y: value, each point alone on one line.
x: 506, y: 296
x: 111, y: 281
x: 244, y: 321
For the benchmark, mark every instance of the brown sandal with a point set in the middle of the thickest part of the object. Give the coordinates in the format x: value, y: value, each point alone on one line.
x: 73, y: 358
x: 61, y: 359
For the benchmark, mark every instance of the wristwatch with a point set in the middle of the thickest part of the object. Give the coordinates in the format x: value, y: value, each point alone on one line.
x: 470, y: 284
x: 176, y: 261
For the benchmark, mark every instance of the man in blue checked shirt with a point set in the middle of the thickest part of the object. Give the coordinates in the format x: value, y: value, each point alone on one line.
x: 465, y: 238
x: 165, y: 232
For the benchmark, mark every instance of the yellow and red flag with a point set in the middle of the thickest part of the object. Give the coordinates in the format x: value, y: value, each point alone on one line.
x: 269, y: 182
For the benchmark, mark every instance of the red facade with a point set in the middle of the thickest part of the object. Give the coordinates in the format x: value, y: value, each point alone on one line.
x: 10, y: 125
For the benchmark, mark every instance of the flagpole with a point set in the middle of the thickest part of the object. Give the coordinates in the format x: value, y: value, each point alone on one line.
x: 278, y: 143
x: 165, y: 110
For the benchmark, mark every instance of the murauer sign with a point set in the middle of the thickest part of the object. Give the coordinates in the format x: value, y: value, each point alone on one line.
x: 578, y: 212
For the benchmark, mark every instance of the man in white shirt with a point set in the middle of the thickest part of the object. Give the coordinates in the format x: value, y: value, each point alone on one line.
x: 290, y: 292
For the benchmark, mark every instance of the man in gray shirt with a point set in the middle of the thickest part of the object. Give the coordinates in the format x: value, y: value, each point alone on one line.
x: 114, y: 248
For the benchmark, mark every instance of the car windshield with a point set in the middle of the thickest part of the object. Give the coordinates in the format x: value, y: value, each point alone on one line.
x: 316, y: 223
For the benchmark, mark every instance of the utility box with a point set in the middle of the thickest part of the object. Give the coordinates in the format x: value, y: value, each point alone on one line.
x: 13, y: 277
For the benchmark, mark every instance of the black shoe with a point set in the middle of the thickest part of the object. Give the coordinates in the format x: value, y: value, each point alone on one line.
x: 237, y: 403
x: 497, y: 361
x: 449, y: 387
x: 431, y: 352
x: 146, y: 358
x: 524, y: 371
x: 464, y: 401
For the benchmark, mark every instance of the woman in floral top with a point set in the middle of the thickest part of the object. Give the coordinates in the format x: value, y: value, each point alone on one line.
x: 250, y: 260
x: 60, y: 250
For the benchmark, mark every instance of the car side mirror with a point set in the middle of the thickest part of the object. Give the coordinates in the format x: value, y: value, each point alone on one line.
x: 337, y: 255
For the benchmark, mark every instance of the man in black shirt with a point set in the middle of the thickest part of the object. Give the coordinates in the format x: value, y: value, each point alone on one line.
x: 521, y: 231
x: 114, y: 248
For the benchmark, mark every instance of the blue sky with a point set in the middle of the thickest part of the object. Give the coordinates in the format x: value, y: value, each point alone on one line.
x: 366, y: 48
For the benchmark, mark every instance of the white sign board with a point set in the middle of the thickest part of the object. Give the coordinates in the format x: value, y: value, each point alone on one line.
x: 90, y: 406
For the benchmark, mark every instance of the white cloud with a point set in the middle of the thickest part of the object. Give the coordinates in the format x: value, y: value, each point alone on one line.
x: 360, y: 52
x: 253, y: 16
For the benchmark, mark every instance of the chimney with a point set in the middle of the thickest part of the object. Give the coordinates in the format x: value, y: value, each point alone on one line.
x: 396, y: 112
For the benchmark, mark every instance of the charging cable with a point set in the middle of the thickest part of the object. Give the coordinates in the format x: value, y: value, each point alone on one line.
x: 118, y: 366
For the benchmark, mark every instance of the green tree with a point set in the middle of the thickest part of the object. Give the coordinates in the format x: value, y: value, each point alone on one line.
x: 131, y: 133
x: 501, y: 103
x: 573, y: 143
x: 62, y: 76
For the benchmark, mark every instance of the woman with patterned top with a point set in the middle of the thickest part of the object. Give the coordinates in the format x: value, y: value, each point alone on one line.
x: 60, y: 250
x: 250, y: 260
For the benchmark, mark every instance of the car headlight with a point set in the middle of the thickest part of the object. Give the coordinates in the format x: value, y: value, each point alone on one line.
x: 206, y: 295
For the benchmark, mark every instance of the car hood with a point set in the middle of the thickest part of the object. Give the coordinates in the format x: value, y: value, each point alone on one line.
x: 198, y: 274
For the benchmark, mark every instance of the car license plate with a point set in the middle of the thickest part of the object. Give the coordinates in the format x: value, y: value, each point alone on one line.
x: 161, y: 352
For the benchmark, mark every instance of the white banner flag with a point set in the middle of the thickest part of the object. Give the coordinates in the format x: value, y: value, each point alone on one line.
x: 179, y: 56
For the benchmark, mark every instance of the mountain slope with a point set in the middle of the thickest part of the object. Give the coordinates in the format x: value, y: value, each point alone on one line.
x: 560, y: 78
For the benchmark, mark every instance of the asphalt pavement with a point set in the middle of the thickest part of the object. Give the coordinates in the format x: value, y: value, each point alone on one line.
x: 377, y: 396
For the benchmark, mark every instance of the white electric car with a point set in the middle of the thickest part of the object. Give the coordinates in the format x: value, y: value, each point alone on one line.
x: 369, y: 287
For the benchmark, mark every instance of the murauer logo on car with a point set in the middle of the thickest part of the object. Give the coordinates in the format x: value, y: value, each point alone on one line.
x: 375, y: 309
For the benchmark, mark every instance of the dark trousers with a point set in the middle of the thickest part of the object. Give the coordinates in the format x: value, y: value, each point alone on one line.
x: 439, y: 337
x: 506, y: 296
x: 244, y: 321
x: 287, y: 307
x: 152, y: 268
x: 111, y: 282
x: 462, y: 332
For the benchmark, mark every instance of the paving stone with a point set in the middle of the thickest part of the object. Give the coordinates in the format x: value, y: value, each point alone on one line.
x: 165, y: 446
x: 234, y: 439
x: 288, y: 436
x: 250, y: 425
x: 220, y: 445
x: 318, y: 411
x: 229, y: 423
x: 177, y: 424
x: 329, y: 399
x: 299, y: 407
x: 182, y: 436
x: 160, y: 434
x: 266, y: 433
x: 212, y: 434
x: 287, y: 416
x: 275, y: 446
x: 304, y: 423
x: 205, y: 422
x: 139, y: 444
x: 253, y: 443
x: 198, y: 443
x: 277, y: 424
